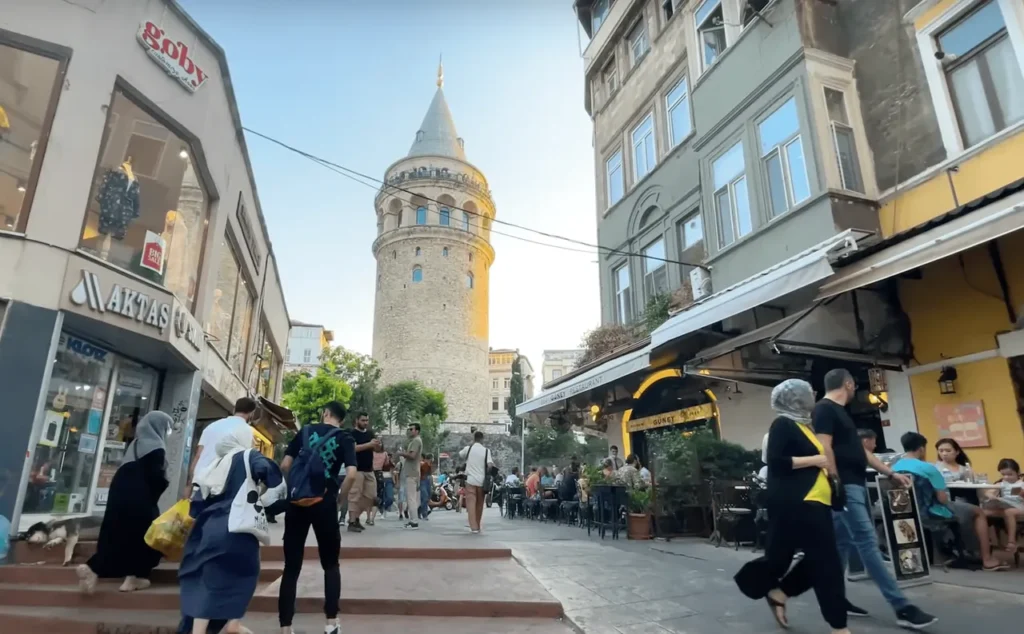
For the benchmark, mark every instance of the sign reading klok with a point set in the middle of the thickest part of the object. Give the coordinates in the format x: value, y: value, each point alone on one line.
x: 173, y: 56
x: 122, y: 301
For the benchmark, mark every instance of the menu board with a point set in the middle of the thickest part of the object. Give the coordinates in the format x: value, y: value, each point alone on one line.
x: 904, y: 532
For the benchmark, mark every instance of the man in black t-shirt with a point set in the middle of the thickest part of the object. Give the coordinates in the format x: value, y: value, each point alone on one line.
x: 363, y: 494
x: 855, y: 529
x: 322, y: 517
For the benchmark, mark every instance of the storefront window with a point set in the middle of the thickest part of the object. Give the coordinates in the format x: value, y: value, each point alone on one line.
x: 263, y: 372
x: 231, y: 316
x: 148, y: 209
x: 76, y: 426
x: 28, y: 91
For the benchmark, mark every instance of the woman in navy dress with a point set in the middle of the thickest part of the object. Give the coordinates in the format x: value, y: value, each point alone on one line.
x: 219, y: 570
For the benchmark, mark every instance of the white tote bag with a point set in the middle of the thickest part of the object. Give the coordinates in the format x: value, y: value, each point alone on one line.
x: 247, y: 514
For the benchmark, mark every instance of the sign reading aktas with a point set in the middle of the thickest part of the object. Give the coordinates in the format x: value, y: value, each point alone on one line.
x: 172, y: 56
x: 121, y: 300
x: 687, y: 415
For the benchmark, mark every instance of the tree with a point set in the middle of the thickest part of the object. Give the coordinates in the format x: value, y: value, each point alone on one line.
x: 434, y: 404
x: 408, y: 402
x: 515, y: 396
x: 351, y: 367
x: 309, y: 395
x: 290, y: 380
x: 604, y: 339
x: 656, y: 312
x: 546, y: 445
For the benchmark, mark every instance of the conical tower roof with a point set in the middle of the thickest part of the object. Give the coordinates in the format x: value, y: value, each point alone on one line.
x: 436, y: 135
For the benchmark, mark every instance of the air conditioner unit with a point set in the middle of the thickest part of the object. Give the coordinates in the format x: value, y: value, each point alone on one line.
x: 700, y: 283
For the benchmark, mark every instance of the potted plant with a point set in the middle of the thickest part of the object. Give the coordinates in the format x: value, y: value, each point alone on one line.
x: 639, y: 525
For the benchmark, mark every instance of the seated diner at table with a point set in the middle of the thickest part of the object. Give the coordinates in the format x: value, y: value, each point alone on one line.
x: 1006, y: 502
x: 953, y: 463
x: 933, y: 492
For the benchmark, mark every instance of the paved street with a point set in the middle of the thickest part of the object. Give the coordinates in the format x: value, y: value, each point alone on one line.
x: 685, y: 587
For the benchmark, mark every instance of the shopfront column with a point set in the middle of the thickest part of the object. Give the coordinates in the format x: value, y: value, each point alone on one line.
x: 27, y: 345
x: 180, y: 399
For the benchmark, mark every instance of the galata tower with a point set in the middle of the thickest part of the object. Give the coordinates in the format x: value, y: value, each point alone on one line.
x: 434, y: 258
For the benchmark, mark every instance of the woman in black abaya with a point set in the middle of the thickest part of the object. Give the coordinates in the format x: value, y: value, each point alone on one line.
x: 131, y: 508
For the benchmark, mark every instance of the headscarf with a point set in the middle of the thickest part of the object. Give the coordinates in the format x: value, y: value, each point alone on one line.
x: 794, y: 398
x: 150, y: 435
x: 215, y: 477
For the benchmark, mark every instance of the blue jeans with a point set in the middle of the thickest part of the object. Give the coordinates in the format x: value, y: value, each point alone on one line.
x: 388, y: 497
x: 855, y: 533
x: 424, y: 497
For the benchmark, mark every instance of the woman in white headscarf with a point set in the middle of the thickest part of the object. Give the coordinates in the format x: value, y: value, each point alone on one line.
x: 799, y: 499
x: 131, y: 507
x: 219, y: 570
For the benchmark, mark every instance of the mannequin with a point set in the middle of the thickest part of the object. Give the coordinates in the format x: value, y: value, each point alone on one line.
x: 176, y: 273
x: 119, y: 204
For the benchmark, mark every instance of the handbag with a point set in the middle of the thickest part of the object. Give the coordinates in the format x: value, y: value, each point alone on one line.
x: 247, y: 515
x: 838, y: 493
x: 487, y: 472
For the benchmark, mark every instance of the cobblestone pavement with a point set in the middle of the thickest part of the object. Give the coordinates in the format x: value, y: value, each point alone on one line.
x: 686, y: 587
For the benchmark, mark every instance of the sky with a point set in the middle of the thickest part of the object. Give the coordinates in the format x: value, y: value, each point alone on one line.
x: 350, y: 81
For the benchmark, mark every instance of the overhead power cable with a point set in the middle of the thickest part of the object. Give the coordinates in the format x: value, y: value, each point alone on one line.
x: 356, y: 176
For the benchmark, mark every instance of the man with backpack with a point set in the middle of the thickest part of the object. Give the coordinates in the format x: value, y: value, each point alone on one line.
x: 411, y: 473
x: 313, y: 463
x: 478, y: 465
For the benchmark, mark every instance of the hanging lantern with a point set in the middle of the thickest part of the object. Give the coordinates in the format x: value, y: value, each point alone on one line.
x: 947, y: 380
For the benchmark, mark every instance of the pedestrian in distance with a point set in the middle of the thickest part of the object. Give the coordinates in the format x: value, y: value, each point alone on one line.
x: 799, y: 500
x: 854, y: 527
x: 478, y: 463
x: 411, y: 458
x: 313, y: 463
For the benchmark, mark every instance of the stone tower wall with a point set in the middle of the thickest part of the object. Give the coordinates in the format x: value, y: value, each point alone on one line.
x: 435, y: 331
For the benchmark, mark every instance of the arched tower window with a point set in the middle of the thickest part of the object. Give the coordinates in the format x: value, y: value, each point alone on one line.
x: 418, y: 251
x: 465, y: 221
x: 445, y: 217
x: 470, y: 216
x: 444, y: 252
x: 469, y: 280
x: 417, y: 274
x: 421, y: 215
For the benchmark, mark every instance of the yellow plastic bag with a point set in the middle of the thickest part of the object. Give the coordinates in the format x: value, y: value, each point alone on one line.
x: 169, y: 532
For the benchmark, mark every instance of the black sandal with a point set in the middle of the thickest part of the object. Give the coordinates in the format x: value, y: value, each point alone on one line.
x: 774, y: 606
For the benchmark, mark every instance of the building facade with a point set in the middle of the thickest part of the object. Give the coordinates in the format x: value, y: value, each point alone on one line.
x: 305, y: 344
x: 558, y: 363
x: 851, y: 167
x: 434, y: 256
x: 136, y: 272
x: 500, y: 370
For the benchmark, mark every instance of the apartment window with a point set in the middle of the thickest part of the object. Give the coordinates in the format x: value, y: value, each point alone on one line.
x: 982, y: 72
x: 616, y: 184
x: 421, y: 215
x: 710, y: 31
x: 655, y: 271
x: 508, y: 383
x: 639, y: 44
x: 691, y: 232
x: 307, y: 356
x: 446, y: 217
x: 29, y: 89
x: 677, y: 103
x: 494, y: 404
x: 231, y: 314
x: 843, y: 140
x: 669, y: 7
x: 782, y: 153
x: 148, y: 209
x: 494, y: 384
x: 623, y: 295
x: 556, y: 374
x: 732, y: 203
x: 644, y: 157
x: 598, y: 13
x: 610, y: 78
x: 417, y: 274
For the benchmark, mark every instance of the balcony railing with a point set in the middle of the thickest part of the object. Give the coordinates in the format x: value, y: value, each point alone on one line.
x: 436, y: 173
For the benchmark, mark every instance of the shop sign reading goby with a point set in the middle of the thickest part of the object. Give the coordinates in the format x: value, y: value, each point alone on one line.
x: 678, y: 417
x: 172, y: 55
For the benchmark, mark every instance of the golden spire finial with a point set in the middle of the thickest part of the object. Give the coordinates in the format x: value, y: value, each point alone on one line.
x: 440, y: 71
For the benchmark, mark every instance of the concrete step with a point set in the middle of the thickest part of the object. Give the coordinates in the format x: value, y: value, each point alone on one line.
x: 476, y: 588
x: 27, y: 620
x: 50, y: 574
x: 26, y: 553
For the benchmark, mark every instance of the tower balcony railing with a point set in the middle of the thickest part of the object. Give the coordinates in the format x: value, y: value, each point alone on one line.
x: 435, y: 173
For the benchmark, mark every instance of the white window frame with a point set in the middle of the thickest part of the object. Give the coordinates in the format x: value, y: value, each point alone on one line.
x: 638, y: 35
x: 699, y: 41
x: 730, y: 187
x: 609, y: 78
x: 651, y: 268
x: 623, y: 304
x: 684, y: 244
x: 833, y: 125
x: 647, y: 138
x: 594, y: 28
x: 942, y: 98
x: 684, y: 101
x: 782, y: 149
x: 608, y: 169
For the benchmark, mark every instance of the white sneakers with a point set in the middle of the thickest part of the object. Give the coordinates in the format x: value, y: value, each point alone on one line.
x: 86, y: 578
x: 131, y: 584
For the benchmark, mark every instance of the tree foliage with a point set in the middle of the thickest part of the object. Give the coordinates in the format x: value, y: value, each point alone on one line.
x: 309, y: 395
x: 547, y: 445
x: 410, y: 402
x: 363, y: 374
x: 603, y: 339
x: 515, y: 396
x: 656, y: 312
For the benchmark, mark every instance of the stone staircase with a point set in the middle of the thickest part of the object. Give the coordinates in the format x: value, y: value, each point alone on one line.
x: 384, y: 589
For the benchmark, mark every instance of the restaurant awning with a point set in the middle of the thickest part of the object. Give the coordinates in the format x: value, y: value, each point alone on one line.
x: 765, y: 333
x: 273, y: 420
x: 803, y: 269
x: 967, y: 226
x: 596, y: 377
